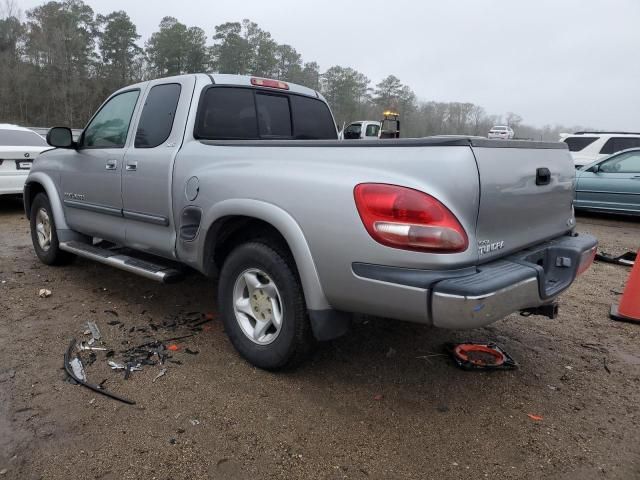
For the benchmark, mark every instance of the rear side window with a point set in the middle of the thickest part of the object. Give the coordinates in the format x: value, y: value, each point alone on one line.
x: 231, y: 113
x: 20, y: 138
x: 616, y: 144
x: 579, y: 143
x: 157, y: 116
x: 312, y: 119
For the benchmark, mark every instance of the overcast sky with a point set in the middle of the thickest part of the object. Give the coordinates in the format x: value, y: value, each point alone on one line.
x: 571, y: 62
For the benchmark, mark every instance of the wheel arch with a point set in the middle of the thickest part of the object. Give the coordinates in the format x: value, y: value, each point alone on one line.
x: 248, y: 219
x: 38, y: 182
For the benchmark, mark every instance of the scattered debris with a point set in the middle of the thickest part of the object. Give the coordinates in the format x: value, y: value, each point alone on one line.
x: 378, y: 397
x: 114, y: 322
x: 480, y: 356
x: 552, y: 387
x: 92, y: 401
x: 194, y: 422
x: 627, y: 259
x: 95, y: 388
x: 535, y: 418
x: 111, y: 312
x: 173, y: 347
x: 606, y: 367
x: 161, y: 374
x: 116, y: 366
x: 44, y: 293
x: 78, y: 369
x: 568, y: 367
x: 95, y: 331
x: 82, y: 346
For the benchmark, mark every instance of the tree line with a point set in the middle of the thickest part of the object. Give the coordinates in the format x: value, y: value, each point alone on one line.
x: 60, y: 60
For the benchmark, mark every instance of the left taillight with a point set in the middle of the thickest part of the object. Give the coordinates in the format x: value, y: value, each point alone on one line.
x: 405, y: 218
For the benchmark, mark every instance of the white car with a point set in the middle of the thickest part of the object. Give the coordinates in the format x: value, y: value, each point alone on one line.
x: 589, y: 147
x: 501, y: 132
x: 361, y: 130
x: 18, y: 147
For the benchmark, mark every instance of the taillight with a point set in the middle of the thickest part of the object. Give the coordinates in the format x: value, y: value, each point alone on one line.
x: 265, y: 82
x: 404, y: 218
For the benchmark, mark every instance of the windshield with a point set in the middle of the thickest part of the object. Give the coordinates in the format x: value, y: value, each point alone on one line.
x: 20, y: 138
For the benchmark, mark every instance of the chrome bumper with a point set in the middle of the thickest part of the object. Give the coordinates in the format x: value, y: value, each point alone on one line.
x: 529, y: 279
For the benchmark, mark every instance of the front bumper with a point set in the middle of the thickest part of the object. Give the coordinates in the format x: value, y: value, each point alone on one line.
x: 473, y: 298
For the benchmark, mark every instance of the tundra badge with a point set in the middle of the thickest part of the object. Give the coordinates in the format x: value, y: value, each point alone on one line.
x: 486, y: 246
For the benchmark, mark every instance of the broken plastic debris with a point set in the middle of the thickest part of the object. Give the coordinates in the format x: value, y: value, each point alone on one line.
x: 535, y: 418
x: 194, y: 422
x: 378, y: 397
x: 78, y: 369
x: 116, y: 366
x: 95, y: 331
x: 44, y: 293
x: 82, y: 346
x: 162, y: 373
x: 173, y: 347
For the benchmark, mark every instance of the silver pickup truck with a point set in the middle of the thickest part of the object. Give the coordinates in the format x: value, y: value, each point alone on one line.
x: 243, y: 179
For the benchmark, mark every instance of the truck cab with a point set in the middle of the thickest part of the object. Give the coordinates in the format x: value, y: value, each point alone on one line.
x: 362, y: 130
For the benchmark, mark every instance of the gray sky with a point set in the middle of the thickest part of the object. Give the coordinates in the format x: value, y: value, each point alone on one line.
x: 572, y: 62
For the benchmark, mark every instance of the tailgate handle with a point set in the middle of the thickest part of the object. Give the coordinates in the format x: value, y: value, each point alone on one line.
x: 543, y: 176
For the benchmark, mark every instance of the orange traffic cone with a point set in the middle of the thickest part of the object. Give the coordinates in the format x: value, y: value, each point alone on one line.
x: 629, y: 308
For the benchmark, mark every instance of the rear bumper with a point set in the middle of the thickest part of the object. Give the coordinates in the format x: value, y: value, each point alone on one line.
x: 12, y: 183
x: 530, y: 278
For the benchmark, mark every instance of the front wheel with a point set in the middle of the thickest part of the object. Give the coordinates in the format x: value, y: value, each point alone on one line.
x: 43, y: 233
x: 263, y: 308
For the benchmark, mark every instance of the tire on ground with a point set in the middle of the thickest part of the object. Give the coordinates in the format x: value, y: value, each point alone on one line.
x: 53, y: 255
x: 295, y: 340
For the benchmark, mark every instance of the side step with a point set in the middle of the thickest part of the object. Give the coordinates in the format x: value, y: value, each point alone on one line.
x: 144, y: 268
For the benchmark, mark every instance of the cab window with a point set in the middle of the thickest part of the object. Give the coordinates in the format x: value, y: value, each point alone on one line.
x: 110, y: 126
x: 372, y: 130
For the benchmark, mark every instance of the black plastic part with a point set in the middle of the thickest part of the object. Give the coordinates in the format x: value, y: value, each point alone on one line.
x: 490, y: 278
x: 614, y: 314
x: 95, y: 388
x: 190, y: 223
x: 543, y: 176
x: 407, y: 276
x: 329, y: 324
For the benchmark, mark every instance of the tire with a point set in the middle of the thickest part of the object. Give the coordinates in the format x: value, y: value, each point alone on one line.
x: 50, y: 254
x: 285, y: 347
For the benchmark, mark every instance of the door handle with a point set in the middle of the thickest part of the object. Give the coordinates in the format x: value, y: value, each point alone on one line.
x: 111, y: 165
x: 132, y: 167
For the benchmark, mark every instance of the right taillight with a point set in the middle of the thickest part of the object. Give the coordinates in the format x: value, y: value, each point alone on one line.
x: 404, y: 218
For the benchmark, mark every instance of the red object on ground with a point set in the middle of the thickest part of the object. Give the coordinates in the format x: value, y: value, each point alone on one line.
x: 479, y: 355
x: 173, y: 347
x: 533, y: 417
x: 629, y: 308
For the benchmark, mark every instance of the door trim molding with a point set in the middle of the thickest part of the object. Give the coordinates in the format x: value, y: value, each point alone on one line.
x: 92, y: 207
x: 146, y: 217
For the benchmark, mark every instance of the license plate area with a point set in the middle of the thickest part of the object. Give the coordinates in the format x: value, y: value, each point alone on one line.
x: 24, y: 164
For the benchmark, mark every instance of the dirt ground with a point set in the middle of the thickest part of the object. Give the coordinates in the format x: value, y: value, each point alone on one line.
x: 378, y: 403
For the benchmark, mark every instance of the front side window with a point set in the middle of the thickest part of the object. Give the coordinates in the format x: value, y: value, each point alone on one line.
x: 158, y: 113
x: 20, y: 138
x: 353, y: 131
x: 617, y: 144
x: 625, y: 163
x: 110, y: 126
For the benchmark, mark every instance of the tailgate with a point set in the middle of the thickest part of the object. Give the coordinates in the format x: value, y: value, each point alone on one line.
x: 526, y: 194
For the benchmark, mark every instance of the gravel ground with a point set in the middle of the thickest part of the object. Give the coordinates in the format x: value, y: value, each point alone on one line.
x: 381, y: 402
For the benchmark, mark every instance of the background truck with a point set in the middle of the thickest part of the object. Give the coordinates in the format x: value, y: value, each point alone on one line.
x: 243, y: 179
x: 388, y: 127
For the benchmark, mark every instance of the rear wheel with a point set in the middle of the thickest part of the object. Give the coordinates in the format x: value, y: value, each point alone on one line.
x: 43, y: 233
x: 262, y: 307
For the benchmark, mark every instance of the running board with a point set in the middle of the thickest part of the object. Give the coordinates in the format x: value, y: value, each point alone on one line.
x: 144, y: 268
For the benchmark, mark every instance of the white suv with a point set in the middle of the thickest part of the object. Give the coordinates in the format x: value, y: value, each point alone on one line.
x: 587, y: 147
x: 501, y: 132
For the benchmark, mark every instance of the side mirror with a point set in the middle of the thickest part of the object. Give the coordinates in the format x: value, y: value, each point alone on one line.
x: 60, y: 137
x: 595, y: 168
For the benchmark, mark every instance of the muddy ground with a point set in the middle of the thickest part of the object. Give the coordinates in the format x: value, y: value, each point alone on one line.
x: 379, y: 403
